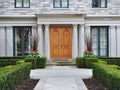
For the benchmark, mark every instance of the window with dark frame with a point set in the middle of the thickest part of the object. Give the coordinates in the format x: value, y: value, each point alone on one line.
x: 22, y: 3
x: 60, y: 3
x: 100, y: 40
x: 22, y: 40
x: 99, y: 3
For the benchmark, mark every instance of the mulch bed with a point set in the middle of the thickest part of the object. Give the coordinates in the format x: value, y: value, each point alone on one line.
x: 27, y: 85
x: 93, y: 84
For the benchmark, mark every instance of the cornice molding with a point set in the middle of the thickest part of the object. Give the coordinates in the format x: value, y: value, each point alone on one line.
x: 102, y: 15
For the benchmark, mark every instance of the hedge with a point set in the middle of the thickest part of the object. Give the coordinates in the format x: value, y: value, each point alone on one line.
x: 39, y: 62
x: 89, y: 62
x: 82, y: 62
x: 112, y: 60
x: 4, y: 61
x: 108, y: 75
x: 10, y: 76
x: 33, y: 61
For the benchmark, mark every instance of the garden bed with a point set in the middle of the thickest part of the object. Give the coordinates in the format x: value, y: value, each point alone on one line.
x: 27, y: 85
x: 93, y: 84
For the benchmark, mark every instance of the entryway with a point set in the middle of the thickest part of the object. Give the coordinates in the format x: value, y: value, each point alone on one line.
x: 61, y: 42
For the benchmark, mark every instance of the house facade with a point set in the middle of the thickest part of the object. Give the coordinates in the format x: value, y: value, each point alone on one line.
x: 61, y: 26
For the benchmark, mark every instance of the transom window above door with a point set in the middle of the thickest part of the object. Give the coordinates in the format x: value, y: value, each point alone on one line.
x: 99, y: 3
x: 60, y: 3
x: 22, y: 3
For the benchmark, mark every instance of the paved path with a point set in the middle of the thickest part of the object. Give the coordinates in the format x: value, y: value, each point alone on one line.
x: 61, y: 78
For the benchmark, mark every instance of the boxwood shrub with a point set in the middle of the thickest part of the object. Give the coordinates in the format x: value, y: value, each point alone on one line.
x: 10, y: 76
x: 80, y: 62
x: 113, y: 61
x: 4, y: 61
x: 83, y: 62
x: 108, y: 75
x: 33, y: 61
x: 89, y: 62
x: 41, y: 62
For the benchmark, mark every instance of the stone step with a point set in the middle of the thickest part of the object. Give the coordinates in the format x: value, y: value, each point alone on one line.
x: 61, y: 63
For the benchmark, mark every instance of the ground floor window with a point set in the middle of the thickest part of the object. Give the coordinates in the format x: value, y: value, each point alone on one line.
x: 22, y: 40
x: 100, y: 40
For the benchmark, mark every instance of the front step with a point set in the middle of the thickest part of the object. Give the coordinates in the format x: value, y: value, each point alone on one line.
x: 61, y: 62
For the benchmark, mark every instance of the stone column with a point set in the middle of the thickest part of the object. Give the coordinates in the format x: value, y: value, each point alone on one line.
x: 75, y: 42
x: 9, y: 41
x: 40, y: 36
x: 112, y: 41
x: 81, y: 40
x: 118, y: 41
x: 47, y: 42
x: 2, y: 41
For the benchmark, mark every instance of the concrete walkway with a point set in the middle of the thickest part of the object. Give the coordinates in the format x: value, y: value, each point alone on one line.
x: 61, y: 78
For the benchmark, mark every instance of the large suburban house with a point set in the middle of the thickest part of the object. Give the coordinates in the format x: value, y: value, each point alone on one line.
x: 61, y: 26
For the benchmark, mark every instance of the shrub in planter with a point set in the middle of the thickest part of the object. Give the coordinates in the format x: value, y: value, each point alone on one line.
x: 33, y: 61
x: 41, y: 62
x: 80, y: 62
x: 89, y: 62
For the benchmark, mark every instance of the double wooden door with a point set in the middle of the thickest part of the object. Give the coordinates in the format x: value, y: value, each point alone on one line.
x: 61, y: 41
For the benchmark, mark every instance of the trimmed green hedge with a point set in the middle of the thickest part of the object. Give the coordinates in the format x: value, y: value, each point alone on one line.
x: 82, y: 62
x: 89, y: 62
x: 33, y: 61
x: 112, y: 60
x: 41, y: 62
x: 10, y: 76
x: 108, y: 75
x: 37, y: 62
x: 5, y: 61
x: 109, y: 57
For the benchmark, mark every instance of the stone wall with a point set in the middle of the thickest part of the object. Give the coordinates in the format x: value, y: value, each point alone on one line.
x: 7, y: 7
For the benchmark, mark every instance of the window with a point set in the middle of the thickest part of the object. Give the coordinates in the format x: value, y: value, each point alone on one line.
x: 100, y: 40
x: 22, y: 40
x: 99, y: 3
x: 22, y: 3
x: 60, y: 3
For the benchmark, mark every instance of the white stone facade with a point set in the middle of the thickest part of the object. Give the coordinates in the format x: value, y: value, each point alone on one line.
x: 41, y: 15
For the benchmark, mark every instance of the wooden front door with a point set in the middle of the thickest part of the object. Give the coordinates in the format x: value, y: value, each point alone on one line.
x: 61, y: 41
